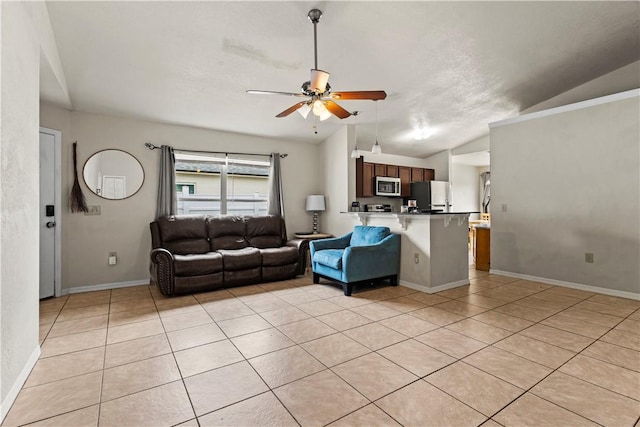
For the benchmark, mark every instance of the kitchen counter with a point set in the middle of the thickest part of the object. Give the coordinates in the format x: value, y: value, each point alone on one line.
x: 434, y: 246
x: 405, y: 218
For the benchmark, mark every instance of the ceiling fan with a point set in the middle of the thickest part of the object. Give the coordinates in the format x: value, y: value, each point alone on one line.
x: 318, y: 90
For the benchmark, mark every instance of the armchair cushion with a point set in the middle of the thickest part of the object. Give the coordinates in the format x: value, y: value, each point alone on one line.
x: 329, y: 257
x: 364, y: 235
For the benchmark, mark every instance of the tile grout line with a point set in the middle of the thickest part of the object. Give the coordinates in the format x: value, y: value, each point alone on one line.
x: 409, y: 338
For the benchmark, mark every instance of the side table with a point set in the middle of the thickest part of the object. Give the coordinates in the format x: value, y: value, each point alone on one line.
x: 311, y: 236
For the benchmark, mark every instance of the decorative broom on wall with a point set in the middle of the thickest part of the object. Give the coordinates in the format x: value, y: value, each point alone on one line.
x: 76, y: 200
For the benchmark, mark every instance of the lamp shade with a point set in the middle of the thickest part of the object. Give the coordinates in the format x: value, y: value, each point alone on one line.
x: 315, y: 202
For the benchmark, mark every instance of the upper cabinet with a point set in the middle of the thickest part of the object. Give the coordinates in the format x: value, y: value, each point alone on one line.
x: 366, y: 173
x: 404, y: 173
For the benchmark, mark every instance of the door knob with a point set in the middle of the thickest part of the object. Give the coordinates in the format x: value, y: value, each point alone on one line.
x: 51, y: 224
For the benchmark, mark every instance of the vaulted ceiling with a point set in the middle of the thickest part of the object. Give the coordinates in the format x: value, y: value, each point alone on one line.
x: 447, y: 67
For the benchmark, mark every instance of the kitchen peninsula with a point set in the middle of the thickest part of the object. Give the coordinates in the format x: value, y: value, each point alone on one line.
x: 434, y: 251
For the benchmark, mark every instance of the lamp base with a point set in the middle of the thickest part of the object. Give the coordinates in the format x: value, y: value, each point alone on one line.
x: 315, y: 222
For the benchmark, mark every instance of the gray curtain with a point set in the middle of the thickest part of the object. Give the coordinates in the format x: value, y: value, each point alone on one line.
x: 485, y: 178
x: 167, y: 204
x: 275, y: 204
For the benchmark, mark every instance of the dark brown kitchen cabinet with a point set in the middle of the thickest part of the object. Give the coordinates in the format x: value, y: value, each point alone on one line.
x: 428, y: 175
x: 367, y: 180
x: 380, y: 169
x: 404, y: 173
x: 366, y: 173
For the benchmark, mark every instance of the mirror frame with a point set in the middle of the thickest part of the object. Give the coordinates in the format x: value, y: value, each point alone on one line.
x: 122, y: 151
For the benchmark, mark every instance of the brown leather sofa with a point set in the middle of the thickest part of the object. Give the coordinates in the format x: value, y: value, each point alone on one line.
x: 202, y: 253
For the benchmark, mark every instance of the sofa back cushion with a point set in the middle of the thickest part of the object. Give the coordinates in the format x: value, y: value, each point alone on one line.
x: 183, y: 234
x: 364, y: 235
x: 265, y: 232
x: 227, y: 232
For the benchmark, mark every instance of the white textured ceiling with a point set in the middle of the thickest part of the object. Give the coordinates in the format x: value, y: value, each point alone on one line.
x: 449, y: 66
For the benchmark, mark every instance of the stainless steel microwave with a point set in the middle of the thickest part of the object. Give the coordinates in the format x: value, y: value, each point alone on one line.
x: 387, y: 186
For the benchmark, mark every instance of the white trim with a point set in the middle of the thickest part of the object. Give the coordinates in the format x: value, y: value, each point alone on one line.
x: 566, y: 108
x: 17, y: 385
x: 104, y: 286
x: 435, y: 289
x: 449, y: 285
x: 562, y: 283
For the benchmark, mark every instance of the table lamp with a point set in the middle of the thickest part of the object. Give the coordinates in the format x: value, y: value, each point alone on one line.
x: 315, y: 204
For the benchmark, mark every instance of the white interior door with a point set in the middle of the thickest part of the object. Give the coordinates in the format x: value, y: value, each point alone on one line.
x: 48, y: 215
x: 114, y: 187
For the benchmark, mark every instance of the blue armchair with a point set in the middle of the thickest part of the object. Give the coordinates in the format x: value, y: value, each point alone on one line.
x: 362, y: 256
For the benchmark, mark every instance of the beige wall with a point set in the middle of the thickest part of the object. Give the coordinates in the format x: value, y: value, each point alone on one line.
x: 571, y: 184
x: 123, y: 226
x: 19, y: 199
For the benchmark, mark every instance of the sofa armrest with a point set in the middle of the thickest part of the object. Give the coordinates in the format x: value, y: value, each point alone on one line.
x: 163, y: 270
x: 302, y: 245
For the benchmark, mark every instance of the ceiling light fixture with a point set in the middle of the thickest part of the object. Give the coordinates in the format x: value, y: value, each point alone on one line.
x: 376, y: 149
x: 424, y: 133
x: 355, y: 153
x: 304, y: 110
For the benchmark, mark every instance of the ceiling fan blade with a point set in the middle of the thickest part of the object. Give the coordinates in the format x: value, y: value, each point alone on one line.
x: 291, y: 109
x: 319, y: 80
x: 271, y: 92
x: 373, y: 95
x: 336, y: 110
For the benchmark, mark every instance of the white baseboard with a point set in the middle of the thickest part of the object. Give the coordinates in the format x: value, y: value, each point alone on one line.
x: 103, y: 286
x: 579, y: 286
x: 435, y: 289
x: 17, y: 385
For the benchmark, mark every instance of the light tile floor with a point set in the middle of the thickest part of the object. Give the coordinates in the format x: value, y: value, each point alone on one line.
x: 500, y: 351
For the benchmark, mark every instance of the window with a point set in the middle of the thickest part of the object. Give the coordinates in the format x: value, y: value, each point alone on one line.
x: 219, y: 184
x: 186, y: 188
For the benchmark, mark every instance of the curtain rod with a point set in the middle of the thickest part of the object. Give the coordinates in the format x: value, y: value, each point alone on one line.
x: 151, y: 146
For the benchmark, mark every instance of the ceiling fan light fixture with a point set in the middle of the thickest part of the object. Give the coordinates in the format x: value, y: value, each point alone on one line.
x: 304, y: 110
x: 325, y: 115
x: 319, y: 108
x: 319, y: 80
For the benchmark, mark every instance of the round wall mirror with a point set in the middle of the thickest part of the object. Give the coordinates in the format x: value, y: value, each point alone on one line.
x: 113, y: 174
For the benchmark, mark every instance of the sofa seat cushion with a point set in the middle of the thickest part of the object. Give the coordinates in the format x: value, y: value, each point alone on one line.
x: 240, y: 259
x: 198, y: 265
x: 279, y: 256
x: 329, y: 257
x: 365, y: 235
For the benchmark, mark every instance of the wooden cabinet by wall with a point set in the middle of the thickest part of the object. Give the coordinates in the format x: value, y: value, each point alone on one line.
x: 481, y: 248
x: 404, y: 173
x: 428, y: 174
x: 368, y: 174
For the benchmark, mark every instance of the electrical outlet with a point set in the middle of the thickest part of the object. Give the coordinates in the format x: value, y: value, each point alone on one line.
x: 416, y: 258
x: 588, y: 257
x: 113, y: 258
x: 504, y: 207
x: 93, y: 210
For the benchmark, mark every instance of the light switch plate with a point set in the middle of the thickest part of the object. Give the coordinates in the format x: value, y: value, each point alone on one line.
x: 93, y: 210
